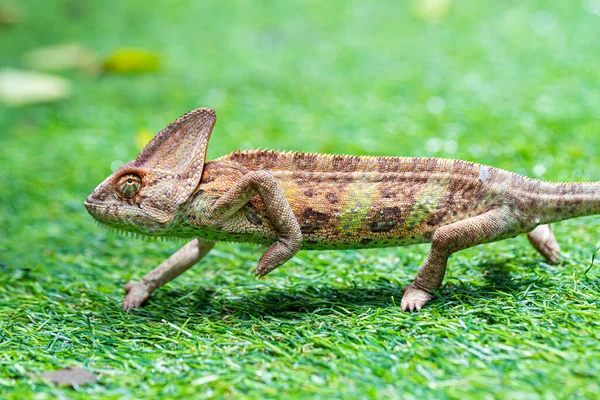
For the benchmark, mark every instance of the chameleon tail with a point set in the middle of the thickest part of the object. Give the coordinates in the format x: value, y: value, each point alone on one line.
x: 559, y: 201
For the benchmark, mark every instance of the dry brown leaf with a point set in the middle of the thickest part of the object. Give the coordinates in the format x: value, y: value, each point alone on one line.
x: 71, y: 376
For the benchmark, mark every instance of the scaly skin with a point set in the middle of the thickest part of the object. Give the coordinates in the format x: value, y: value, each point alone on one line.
x: 291, y: 201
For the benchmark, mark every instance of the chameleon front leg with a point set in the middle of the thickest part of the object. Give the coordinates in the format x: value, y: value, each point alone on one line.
x: 178, y: 263
x: 488, y: 227
x: 278, y: 212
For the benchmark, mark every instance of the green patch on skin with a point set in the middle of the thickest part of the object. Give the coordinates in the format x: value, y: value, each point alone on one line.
x: 428, y: 201
x: 200, y: 204
x: 356, y: 211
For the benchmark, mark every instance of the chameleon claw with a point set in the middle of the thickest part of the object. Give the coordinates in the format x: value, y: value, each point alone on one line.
x: 261, y: 271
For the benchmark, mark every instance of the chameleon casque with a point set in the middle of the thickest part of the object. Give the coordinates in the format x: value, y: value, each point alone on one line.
x: 298, y: 201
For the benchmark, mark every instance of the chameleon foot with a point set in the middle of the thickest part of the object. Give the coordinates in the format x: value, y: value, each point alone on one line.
x: 263, y: 269
x: 137, y: 294
x: 414, y: 298
x: 543, y: 240
x: 278, y: 253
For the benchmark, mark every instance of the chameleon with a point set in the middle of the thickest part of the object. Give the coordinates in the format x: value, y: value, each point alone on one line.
x: 292, y: 201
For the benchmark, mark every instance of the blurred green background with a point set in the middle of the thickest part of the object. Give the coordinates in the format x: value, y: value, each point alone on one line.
x: 511, y: 84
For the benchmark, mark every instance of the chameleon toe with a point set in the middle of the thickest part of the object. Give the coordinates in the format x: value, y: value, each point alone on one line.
x: 414, y: 299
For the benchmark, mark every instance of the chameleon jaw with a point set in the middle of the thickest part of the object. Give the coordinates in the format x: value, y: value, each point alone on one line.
x: 136, y: 234
x: 124, y: 221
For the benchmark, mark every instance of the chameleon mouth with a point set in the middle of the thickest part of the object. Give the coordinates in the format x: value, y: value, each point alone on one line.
x: 135, y: 234
x: 95, y: 210
x: 122, y: 229
x: 93, y: 207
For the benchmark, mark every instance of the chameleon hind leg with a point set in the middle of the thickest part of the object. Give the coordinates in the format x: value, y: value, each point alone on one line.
x: 488, y: 227
x: 278, y: 212
x: 543, y: 240
x: 172, y: 267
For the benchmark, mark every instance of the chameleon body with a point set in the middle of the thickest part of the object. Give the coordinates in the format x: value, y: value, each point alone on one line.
x: 291, y: 201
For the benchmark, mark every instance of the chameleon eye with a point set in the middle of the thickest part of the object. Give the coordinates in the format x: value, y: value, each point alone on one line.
x: 129, y: 185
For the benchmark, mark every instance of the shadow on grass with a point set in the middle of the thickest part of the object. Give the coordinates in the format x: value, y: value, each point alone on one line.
x: 315, y: 299
x: 498, y: 282
x: 295, y: 302
x: 282, y: 303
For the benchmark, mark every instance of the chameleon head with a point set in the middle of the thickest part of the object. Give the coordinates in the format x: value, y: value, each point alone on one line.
x: 145, y: 195
x: 124, y: 201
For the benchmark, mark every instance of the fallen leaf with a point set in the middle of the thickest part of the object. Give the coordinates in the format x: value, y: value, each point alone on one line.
x: 132, y: 61
x: 431, y: 10
x: 61, y: 57
x: 71, y: 376
x: 143, y: 137
x: 19, y: 88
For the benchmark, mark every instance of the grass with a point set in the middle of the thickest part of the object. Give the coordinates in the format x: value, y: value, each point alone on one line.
x: 510, y: 84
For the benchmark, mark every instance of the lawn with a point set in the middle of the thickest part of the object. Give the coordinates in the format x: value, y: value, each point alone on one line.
x: 511, y: 84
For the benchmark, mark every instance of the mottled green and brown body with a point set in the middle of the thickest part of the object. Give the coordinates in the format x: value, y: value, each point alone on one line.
x: 351, y: 202
x: 343, y: 202
x: 292, y: 201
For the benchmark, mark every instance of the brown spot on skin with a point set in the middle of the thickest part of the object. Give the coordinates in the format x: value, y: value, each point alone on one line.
x: 436, y: 218
x: 332, y: 198
x: 309, y: 193
x: 312, y: 221
x: 385, y: 219
x: 388, y: 194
